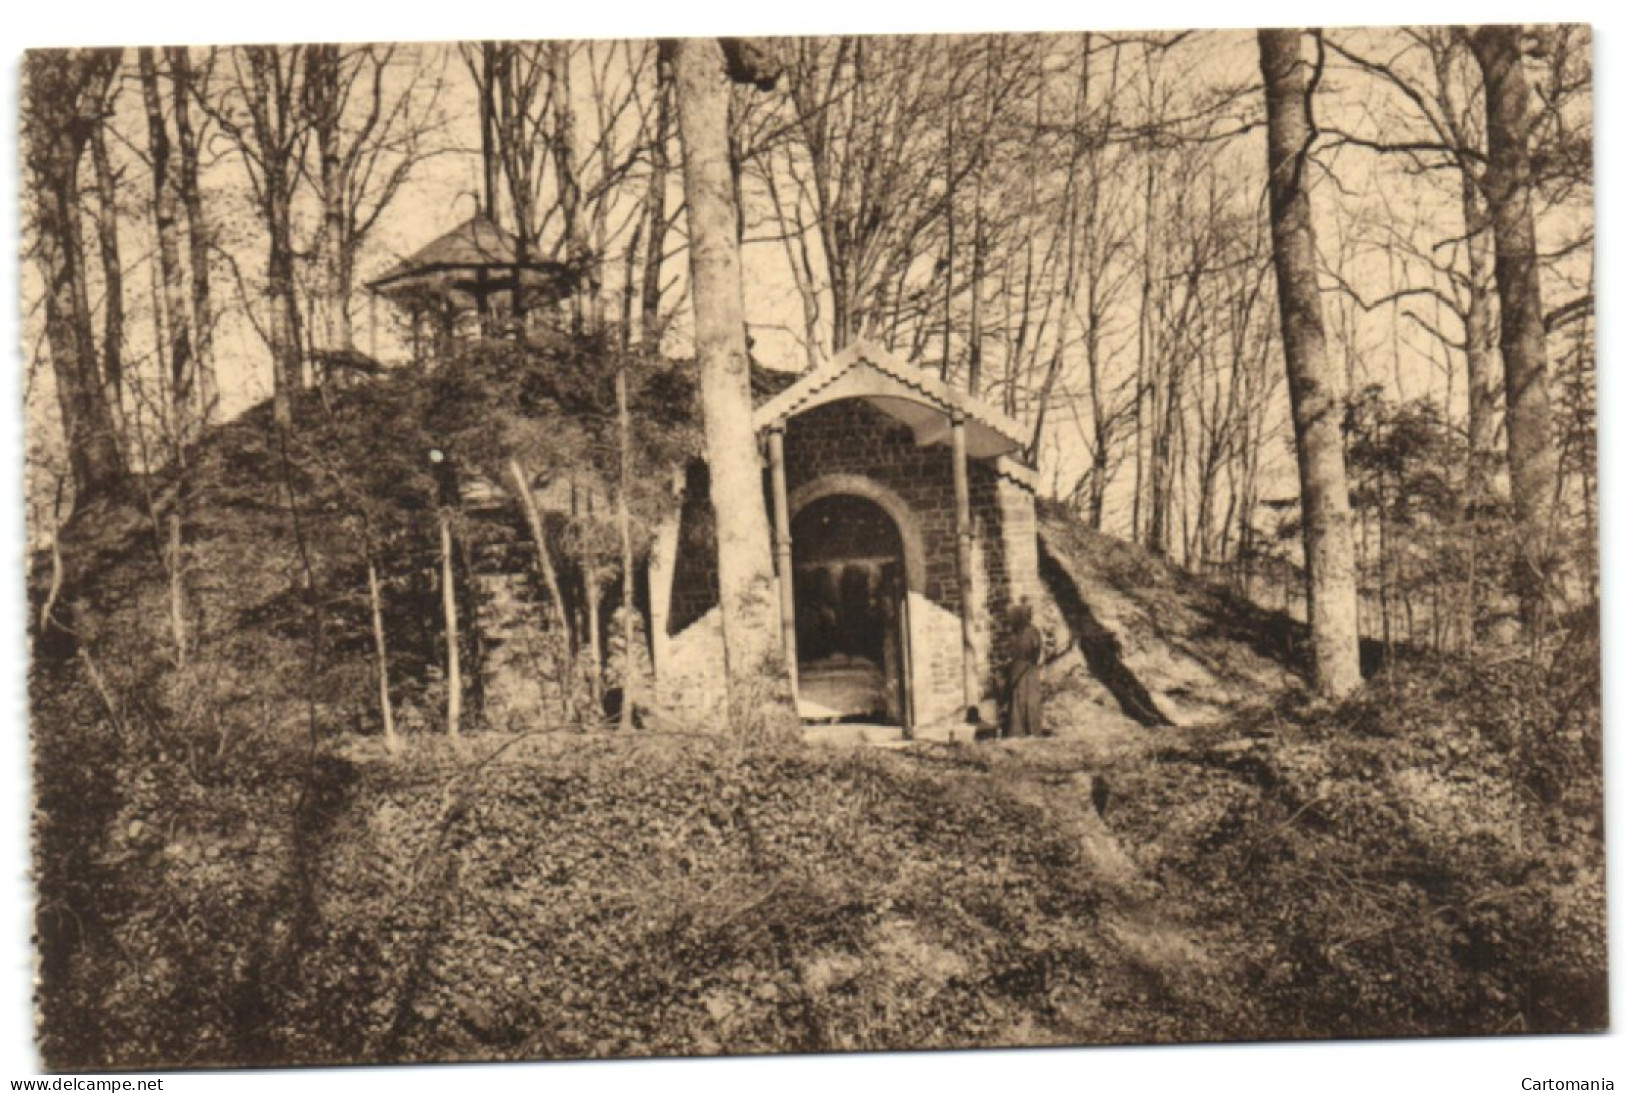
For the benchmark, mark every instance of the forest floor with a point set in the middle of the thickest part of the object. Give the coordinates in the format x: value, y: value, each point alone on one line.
x: 1288, y: 873
x: 230, y: 869
x: 1298, y: 871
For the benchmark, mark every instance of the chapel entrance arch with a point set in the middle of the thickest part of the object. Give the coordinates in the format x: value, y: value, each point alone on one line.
x: 853, y: 565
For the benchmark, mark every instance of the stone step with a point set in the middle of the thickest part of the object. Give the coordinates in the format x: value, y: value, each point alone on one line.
x: 851, y: 734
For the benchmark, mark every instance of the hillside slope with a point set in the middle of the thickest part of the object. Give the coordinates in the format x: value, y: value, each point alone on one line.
x: 1374, y: 871
x: 1149, y: 641
x: 230, y: 870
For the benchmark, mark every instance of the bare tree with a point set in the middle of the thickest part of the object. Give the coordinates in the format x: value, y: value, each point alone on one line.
x: 166, y: 219
x: 510, y: 81
x: 1312, y: 384
x: 877, y: 179
x: 107, y: 237
x: 1508, y: 193
x: 188, y: 84
x: 758, y: 686
x: 369, y: 114
x: 63, y: 97
x: 650, y: 325
x: 562, y: 145
x: 260, y: 110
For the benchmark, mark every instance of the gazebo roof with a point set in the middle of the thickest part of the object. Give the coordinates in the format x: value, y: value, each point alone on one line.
x: 476, y: 258
x: 917, y: 397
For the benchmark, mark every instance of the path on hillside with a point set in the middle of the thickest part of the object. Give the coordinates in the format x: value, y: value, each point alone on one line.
x: 1166, y: 960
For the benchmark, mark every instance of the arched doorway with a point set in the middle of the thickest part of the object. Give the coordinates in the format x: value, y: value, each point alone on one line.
x: 851, y: 600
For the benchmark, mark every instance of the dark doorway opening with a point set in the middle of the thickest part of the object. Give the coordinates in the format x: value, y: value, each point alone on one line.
x: 851, y: 613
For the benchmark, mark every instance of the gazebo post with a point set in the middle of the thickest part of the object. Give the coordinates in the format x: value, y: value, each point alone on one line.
x: 962, y: 528
x: 443, y: 319
x: 783, y: 554
x: 482, y: 302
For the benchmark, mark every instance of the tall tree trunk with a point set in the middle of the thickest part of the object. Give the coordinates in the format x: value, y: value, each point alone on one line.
x: 1311, y: 382
x: 973, y: 380
x: 659, y: 165
x: 198, y: 233
x: 586, y: 521
x: 758, y: 682
x: 324, y: 98
x: 1018, y: 344
x: 569, y: 182
x: 284, y: 326
x: 1069, y: 293
x: 1480, y: 332
x: 623, y: 495
x: 175, y: 562
x: 1479, y: 324
x: 946, y: 370
x: 448, y: 602
x: 1143, y: 362
x: 484, y: 83
x: 165, y: 209
x: 1508, y: 194
x: 513, y: 99
x: 270, y: 95
x: 61, y: 103
x: 488, y: 136
x: 1162, y: 458
x: 112, y: 269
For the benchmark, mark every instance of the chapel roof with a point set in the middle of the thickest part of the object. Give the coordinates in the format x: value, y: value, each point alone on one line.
x: 915, y: 396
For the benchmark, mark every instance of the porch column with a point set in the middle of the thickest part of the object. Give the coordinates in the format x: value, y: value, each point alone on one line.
x: 962, y: 528
x: 782, y: 555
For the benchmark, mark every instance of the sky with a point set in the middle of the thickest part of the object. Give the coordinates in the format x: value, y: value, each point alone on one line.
x: 1484, y: 1064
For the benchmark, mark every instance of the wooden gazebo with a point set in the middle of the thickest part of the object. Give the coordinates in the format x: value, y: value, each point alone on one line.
x: 473, y: 271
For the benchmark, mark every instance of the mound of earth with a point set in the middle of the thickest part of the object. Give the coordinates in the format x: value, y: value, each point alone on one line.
x: 1145, y: 641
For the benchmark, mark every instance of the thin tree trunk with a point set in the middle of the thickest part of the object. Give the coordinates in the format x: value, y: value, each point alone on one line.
x: 1143, y: 360
x: 592, y: 599
x: 112, y: 269
x: 177, y: 588
x: 623, y: 497
x: 564, y: 164
x: 973, y: 381
x: 165, y: 207
x: 198, y: 233
x: 488, y: 140
x: 381, y: 649
x: 448, y: 600
x: 758, y: 682
x: 48, y: 607
x: 659, y: 165
x: 284, y: 325
x: 1480, y: 324
x: 550, y: 577
x: 1312, y: 383
x: 946, y: 371
x: 269, y: 94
